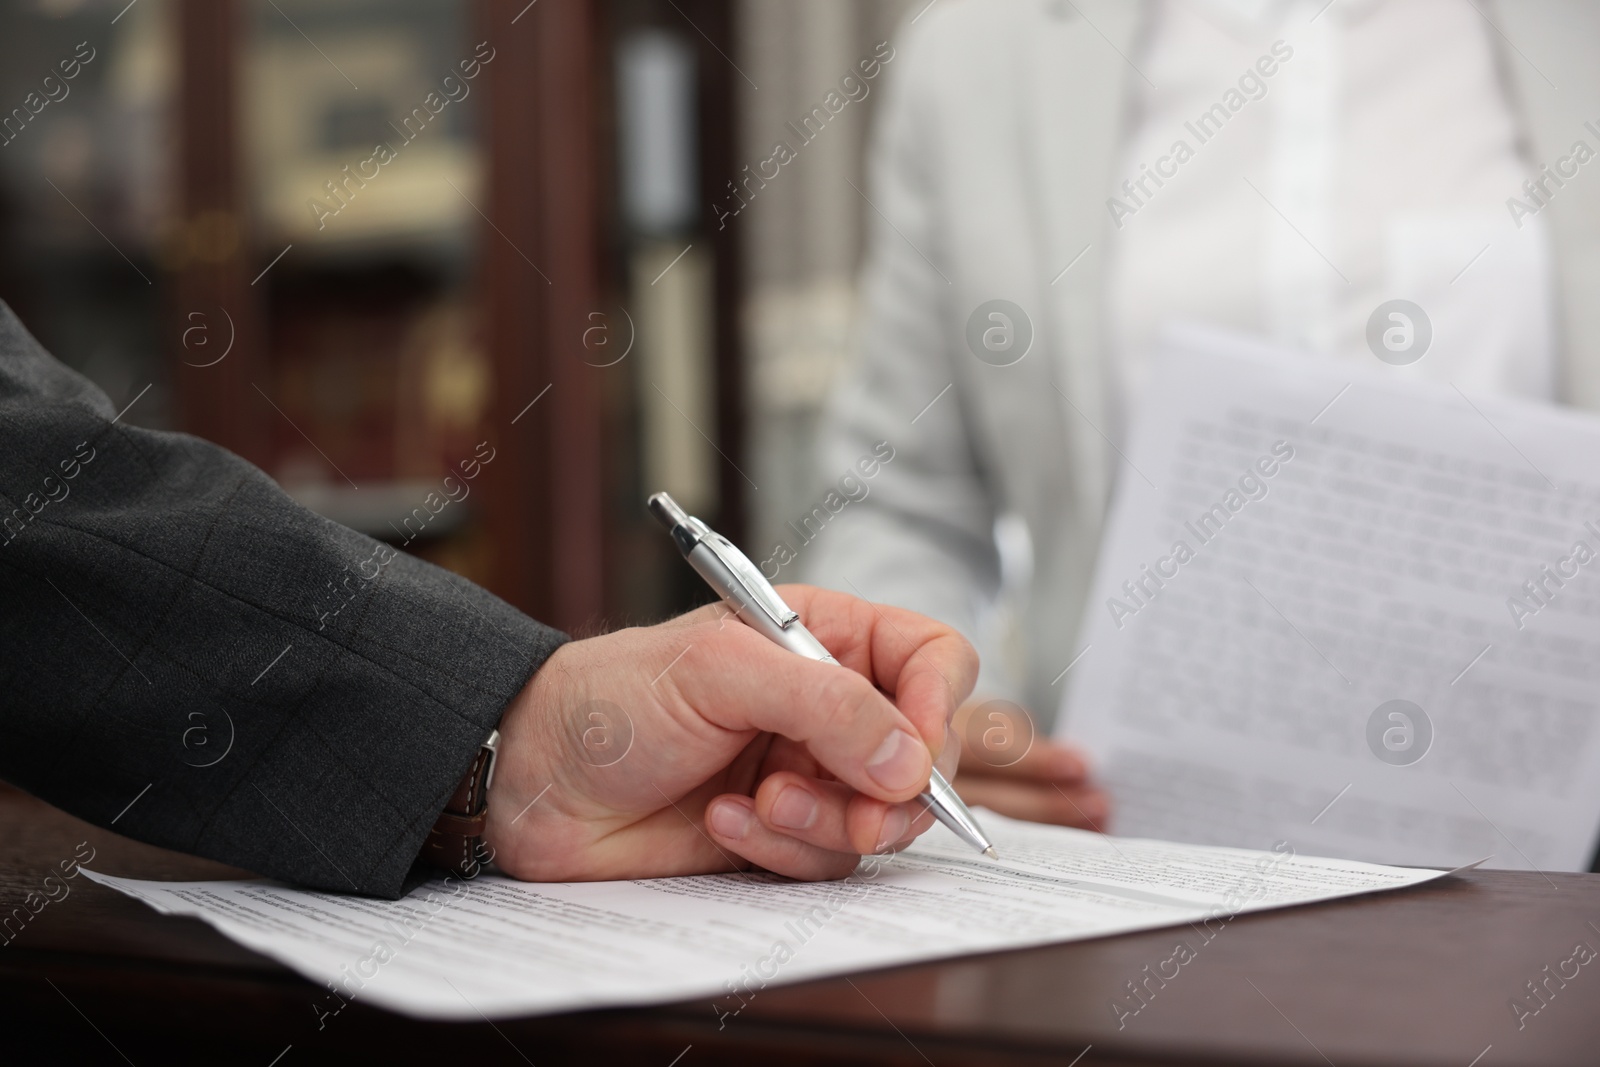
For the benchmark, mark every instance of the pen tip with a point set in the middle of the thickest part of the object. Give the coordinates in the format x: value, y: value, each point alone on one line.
x: 991, y: 853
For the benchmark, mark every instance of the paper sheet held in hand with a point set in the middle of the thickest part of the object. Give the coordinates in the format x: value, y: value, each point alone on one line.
x: 1342, y: 606
x: 495, y: 947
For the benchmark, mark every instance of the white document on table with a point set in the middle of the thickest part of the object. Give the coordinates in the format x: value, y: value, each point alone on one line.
x: 494, y: 947
x: 1247, y: 630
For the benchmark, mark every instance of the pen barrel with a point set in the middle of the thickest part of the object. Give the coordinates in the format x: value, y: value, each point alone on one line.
x: 948, y: 808
x: 794, y: 637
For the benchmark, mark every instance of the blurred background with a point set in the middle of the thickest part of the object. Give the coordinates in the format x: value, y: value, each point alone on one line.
x: 564, y: 252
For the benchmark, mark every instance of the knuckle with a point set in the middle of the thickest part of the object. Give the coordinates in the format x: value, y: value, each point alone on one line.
x: 845, y: 699
x: 963, y: 648
x: 725, y: 630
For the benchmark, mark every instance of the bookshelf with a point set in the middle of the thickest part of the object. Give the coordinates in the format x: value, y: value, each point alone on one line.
x: 448, y: 296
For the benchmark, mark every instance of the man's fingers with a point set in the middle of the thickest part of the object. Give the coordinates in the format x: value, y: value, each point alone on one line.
x: 925, y: 666
x: 735, y: 679
x: 1079, y: 806
x: 786, y: 755
x: 732, y: 822
x: 835, y: 817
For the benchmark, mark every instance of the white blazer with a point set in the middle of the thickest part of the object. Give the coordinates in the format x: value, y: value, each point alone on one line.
x: 994, y: 155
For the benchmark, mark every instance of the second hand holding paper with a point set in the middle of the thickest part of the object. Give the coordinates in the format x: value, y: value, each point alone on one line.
x: 1319, y: 625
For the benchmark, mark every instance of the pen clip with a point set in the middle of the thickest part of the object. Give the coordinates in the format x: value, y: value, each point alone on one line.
x: 686, y: 530
x: 757, y: 589
x: 689, y: 533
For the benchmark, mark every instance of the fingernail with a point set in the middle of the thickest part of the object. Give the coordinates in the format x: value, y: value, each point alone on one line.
x: 730, y: 819
x: 795, y: 809
x: 895, y: 825
x: 900, y: 762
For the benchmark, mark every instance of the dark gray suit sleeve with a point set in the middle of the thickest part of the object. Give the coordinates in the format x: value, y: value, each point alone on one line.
x: 191, y: 657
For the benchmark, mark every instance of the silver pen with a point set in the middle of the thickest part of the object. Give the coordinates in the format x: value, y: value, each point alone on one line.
x: 753, y: 600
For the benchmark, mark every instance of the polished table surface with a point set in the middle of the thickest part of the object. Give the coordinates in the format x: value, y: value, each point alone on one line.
x: 1422, y: 976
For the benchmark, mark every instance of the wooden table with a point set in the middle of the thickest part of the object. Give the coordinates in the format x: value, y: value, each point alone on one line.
x: 1422, y: 976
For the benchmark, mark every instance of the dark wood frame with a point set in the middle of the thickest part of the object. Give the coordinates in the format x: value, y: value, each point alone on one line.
x: 545, y: 502
x: 208, y: 248
x: 719, y: 84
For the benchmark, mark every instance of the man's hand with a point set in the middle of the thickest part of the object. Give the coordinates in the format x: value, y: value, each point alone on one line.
x: 1007, y: 768
x: 698, y: 745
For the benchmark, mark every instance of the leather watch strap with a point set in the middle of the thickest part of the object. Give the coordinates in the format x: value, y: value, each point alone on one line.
x: 456, y: 842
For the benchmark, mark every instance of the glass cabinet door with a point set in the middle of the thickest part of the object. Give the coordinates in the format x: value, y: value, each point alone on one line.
x: 362, y: 163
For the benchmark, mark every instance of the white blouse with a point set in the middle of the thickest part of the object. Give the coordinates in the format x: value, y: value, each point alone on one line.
x: 1373, y: 163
